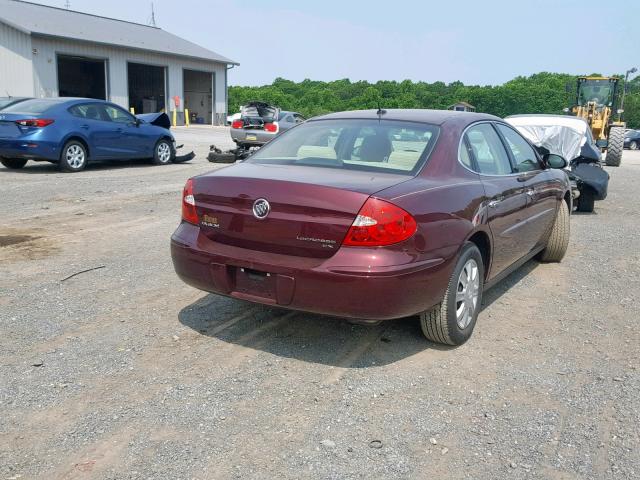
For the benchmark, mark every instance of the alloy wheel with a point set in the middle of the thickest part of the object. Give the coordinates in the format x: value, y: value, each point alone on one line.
x: 467, y: 293
x: 164, y: 152
x: 75, y: 156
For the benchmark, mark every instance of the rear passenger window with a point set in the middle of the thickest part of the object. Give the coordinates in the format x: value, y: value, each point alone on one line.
x: 488, y: 150
x: 523, y: 154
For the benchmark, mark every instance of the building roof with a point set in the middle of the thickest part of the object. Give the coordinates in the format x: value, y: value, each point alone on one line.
x: 464, y: 104
x: 43, y: 20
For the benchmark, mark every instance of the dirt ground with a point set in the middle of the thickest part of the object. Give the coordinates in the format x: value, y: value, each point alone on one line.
x: 124, y: 372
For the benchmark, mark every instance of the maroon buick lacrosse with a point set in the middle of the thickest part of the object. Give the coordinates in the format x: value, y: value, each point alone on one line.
x: 377, y: 215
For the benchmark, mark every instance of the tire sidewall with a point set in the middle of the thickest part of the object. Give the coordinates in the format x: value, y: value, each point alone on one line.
x: 156, y: 158
x: 64, y: 165
x: 458, y: 336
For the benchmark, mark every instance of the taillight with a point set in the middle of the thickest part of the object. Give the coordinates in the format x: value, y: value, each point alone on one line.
x: 271, y: 127
x: 380, y: 223
x: 237, y: 124
x: 35, y: 122
x: 189, y: 204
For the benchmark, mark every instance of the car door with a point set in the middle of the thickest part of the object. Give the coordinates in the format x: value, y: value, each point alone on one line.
x: 540, y: 186
x: 506, y: 201
x: 133, y: 142
x: 94, y: 123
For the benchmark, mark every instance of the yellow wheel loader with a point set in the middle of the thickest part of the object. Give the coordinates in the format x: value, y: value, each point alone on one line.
x: 596, y: 102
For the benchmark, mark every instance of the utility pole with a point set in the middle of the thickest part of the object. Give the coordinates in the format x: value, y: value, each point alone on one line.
x: 624, y: 90
x: 152, y: 22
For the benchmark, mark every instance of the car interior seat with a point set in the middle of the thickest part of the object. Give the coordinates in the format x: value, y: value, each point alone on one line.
x: 376, y: 148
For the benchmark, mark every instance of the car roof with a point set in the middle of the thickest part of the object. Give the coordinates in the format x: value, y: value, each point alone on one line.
x: 434, y: 117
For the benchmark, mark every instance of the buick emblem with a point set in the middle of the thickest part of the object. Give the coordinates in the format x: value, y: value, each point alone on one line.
x: 261, y: 208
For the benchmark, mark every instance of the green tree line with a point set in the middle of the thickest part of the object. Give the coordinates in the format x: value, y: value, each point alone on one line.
x: 540, y: 93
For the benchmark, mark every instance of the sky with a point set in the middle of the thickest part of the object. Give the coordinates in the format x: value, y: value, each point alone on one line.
x: 480, y: 42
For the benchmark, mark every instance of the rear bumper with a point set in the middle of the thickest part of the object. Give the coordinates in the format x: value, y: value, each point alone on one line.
x: 251, y: 137
x: 363, y: 284
x: 29, y: 149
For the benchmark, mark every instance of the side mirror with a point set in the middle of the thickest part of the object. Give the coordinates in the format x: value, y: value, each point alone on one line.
x: 555, y: 161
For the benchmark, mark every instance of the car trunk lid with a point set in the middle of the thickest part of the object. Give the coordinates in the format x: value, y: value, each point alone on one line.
x: 310, y: 209
x: 8, y: 126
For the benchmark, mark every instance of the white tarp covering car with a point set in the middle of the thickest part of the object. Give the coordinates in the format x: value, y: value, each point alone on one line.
x: 570, y: 137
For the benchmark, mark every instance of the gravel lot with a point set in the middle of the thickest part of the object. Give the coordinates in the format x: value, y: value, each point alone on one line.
x: 124, y: 372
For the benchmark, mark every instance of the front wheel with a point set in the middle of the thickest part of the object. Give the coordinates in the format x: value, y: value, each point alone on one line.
x: 452, y: 321
x: 615, y: 147
x: 73, y: 157
x: 13, y: 163
x: 163, y: 152
x: 633, y: 145
x: 559, y: 239
x: 586, y: 200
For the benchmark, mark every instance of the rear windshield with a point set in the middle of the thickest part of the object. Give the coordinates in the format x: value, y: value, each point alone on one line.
x: 368, y: 145
x: 33, y: 107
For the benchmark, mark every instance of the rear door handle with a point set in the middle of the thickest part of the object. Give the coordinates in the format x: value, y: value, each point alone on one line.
x: 86, y: 127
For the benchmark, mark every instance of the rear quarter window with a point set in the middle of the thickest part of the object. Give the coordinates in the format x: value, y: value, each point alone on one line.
x: 32, y: 107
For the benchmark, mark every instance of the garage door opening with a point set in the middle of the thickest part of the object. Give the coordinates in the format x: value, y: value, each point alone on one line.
x: 147, y: 88
x: 198, y: 96
x: 82, y: 77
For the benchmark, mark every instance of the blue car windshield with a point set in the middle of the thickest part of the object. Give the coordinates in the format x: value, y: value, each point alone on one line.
x: 33, y: 107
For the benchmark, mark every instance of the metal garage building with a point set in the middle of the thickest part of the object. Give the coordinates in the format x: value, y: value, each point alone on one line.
x: 49, y: 52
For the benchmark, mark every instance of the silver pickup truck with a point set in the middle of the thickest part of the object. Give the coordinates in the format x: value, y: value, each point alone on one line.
x: 260, y: 122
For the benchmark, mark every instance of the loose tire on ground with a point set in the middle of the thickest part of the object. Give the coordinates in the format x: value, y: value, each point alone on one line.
x: 73, y: 157
x: 440, y: 324
x: 559, y: 238
x: 615, y: 147
x: 586, y: 200
x: 163, y: 152
x: 13, y: 163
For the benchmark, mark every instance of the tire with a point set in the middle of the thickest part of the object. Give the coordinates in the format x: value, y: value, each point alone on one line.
x: 73, y: 157
x: 163, y: 153
x: 442, y: 323
x: 558, y: 241
x: 616, y: 146
x: 586, y: 200
x: 633, y: 145
x: 13, y: 163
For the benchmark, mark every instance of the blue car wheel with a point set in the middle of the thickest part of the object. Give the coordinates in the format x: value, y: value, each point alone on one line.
x: 73, y: 157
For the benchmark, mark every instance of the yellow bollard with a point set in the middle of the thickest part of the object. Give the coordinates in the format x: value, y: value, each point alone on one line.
x: 187, y: 120
x: 175, y: 118
x: 132, y: 110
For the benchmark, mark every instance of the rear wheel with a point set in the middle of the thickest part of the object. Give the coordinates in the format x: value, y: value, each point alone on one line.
x: 13, y: 163
x: 73, y: 157
x: 559, y: 239
x: 633, y: 145
x: 615, y: 147
x: 452, y: 321
x: 586, y: 200
x: 163, y: 152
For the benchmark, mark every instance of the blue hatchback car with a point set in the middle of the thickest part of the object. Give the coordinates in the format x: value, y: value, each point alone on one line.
x: 74, y: 131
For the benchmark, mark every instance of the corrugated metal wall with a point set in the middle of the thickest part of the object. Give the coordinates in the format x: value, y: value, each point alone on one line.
x: 45, y: 69
x: 16, y: 71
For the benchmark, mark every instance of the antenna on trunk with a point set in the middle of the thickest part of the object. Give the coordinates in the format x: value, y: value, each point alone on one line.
x: 67, y: 5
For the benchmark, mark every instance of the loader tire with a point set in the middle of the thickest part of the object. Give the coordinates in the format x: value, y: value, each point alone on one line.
x: 616, y: 146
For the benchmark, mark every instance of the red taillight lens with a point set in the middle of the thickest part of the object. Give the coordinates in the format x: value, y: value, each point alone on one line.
x: 237, y: 124
x: 380, y: 223
x: 189, y: 204
x: 35, y: 122
x: 271, y: 127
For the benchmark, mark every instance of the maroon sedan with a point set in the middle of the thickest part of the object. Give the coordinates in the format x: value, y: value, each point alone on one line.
x: 377, y: 215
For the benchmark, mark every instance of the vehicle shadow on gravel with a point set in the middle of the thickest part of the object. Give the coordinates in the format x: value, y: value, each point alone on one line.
x: 35, y: 168
x: 317, y: 338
